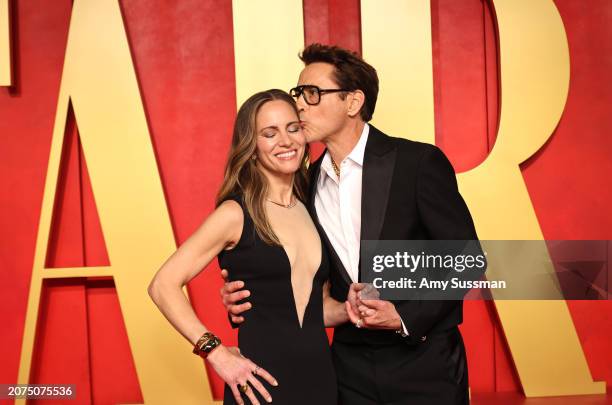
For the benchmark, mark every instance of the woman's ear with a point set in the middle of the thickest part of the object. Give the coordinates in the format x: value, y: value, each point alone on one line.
x: 356, y: 100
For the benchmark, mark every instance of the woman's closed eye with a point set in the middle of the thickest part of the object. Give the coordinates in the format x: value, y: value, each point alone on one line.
x: 294, y: 128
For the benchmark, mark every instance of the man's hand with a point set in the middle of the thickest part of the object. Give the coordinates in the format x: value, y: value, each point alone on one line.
x: 371, y: 314
x: 231, y: 293
x: 353, y: 295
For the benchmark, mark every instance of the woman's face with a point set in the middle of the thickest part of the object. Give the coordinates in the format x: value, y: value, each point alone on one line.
x: 280, y: 139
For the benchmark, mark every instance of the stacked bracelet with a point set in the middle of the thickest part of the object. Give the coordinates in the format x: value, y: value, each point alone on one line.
x: 205, y: 344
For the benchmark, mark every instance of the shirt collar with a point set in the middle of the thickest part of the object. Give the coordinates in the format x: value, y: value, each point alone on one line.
x: 326, y: 169
x: 356, y: 155
x: 358, y: 151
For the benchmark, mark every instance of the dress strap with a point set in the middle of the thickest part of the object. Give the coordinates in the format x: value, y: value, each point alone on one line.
x: 247, y: 237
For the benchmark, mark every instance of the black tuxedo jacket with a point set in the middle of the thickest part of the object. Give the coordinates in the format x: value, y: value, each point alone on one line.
x: 409, y: 191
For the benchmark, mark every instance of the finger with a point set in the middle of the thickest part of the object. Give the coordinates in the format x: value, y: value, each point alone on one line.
x: 352, y: 298
x: 237, y: 395
x: 238, y: 309
x: 266, y: 376
x: 352, y: 315
x: 259, y: 387
x: 224, y: 275
x: 237, y: 296
x: 365, y: 311
x: 237, y: 319
x: 375, y: 321
x: 233, y: 286
x: 361, y: 290
x: 251, y: 395
x: 371, y: 322
x: 358, y: 286
x: 375, y: 304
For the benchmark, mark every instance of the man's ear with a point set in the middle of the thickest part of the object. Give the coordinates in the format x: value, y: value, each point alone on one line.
x: 356, y: 101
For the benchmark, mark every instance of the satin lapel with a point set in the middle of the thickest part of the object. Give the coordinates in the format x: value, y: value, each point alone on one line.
x: 314, y: 172
x: 378, y: 164
x: 313, y: 175
x: 337, y: 262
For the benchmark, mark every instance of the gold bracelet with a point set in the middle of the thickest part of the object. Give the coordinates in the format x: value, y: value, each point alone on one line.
x: 205, y: 344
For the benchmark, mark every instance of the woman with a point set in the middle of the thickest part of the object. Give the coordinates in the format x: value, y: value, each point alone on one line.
x: 263, y: 234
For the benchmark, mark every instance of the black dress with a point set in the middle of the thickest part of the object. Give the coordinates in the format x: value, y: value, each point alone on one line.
x: 271, y: 336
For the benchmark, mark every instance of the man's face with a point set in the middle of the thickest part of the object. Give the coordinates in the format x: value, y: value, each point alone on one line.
x: 330, y: 115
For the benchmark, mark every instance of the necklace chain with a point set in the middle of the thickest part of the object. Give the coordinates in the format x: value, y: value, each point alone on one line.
x: 335, y: 167
x: 290, y: 205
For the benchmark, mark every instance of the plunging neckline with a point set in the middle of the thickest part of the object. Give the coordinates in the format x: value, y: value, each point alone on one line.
x: 314, y: 277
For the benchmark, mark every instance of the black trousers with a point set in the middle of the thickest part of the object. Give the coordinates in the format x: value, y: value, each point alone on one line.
x: 433, y: 372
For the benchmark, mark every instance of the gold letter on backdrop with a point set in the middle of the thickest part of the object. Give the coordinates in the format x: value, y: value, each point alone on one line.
x: 100, y: 81
x: 396, y: 40
x: 268, y: 34
x: 534, y: 83
x: 5, y: 44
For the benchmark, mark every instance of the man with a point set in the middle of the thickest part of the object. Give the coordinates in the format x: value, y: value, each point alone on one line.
x: 370, y: 186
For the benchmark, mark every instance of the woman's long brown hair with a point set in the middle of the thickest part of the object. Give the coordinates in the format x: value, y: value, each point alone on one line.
x: 243, y: 177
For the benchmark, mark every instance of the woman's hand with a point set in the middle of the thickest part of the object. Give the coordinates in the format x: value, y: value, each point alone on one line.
x: 236, y: 370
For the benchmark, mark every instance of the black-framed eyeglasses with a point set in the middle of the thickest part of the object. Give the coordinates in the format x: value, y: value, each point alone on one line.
x: 312, y: 94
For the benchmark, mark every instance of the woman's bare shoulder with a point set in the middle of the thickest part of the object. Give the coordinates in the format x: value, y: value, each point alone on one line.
x: 229, y: 212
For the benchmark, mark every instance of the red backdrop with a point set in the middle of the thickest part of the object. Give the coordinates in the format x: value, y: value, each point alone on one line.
x: 81, y: 332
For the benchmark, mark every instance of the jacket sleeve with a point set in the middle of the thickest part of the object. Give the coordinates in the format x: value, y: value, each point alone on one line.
x: 445, y: 216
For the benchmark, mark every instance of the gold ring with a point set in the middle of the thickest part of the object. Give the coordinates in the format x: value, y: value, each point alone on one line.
x: 243, y: 388
x: 358, y: 323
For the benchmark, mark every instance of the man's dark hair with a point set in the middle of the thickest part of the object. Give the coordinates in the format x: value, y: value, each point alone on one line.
x: 351, y: 72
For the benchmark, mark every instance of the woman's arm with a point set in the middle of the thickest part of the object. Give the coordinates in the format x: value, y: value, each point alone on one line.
x: 334, y: 312
x: 220, y: 230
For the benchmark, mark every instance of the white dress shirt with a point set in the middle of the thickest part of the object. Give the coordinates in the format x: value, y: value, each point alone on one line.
x: 338, y: 205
